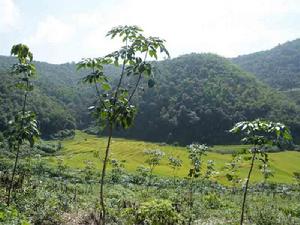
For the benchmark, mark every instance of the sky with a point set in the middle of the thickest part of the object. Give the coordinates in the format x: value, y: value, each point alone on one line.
x: 59, y: 31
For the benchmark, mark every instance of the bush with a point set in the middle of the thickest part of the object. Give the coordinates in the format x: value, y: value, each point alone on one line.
x: 267, y: 214
x: 291, y: 211
x: 155, y: 212
x: 10, y: 215
x: 62, y: 134
x: 49, y: 148
x: 212, y: 201
x: 141, y: 175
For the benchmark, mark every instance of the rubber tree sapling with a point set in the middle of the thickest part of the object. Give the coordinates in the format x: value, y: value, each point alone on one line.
x: 196, y: 153
x: 260, y: 134
x: 117, y: 170
x: 265, y: 169
x: 175, y: 163
x: 114, y: 107
x: 232, y: 171
x: 153, y: 160
x: 23, y: 128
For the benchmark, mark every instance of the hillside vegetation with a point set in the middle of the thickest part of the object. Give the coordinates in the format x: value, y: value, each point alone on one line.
x: 92, y: 171
x: 197, y: 97
x: 53, y: 116
x: 279, y: 67
x: 60, y: 85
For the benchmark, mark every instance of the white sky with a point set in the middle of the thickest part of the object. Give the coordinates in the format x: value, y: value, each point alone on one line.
x: 59, y: 31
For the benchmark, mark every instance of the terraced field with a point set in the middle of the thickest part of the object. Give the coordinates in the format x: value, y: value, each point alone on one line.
x: 88, y: 147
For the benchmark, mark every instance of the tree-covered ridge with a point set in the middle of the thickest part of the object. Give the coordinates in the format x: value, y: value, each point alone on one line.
x: 278, y: 67
x: 196, y: 97
x: 200, y: 96
x: 61, y: 83
x: 52, y: 116
x: 48, y: 99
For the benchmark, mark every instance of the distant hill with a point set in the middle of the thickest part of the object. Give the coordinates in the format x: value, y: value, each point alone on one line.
x: 56, y: 98
x: 197, y: 97
x: 278, y: 67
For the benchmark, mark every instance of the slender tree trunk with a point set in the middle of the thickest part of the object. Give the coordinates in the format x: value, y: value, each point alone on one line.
x: 191, y: 201
x: 103, y: 210
x: 18, y: 150
x: 246, y: 189
x: 150, y: 179
x: 13, y: 176
x: 174, y: 179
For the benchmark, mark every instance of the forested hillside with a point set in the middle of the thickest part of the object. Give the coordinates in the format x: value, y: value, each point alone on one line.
x: 52, y: 115
x: 56, y: 98
x: 197, y: 97
x: 278, y: 67
x: 200, y: 96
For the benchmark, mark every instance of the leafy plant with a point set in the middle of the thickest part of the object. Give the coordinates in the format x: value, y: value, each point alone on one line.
x: 153, y: 160
x: 212, y: 201
x: 88, y: 173
x: 260, y: 134
x: 196, y: 153
x: 296, y: 176
x: 232, y: 171
x: 210, y: 169
x: 265, y: 168
x: 24, y: 127
x: 156, y: 212
x: 175, y: 163
x: 10, y: 215
x: 114, y: 106
x: 117, y: 170
x: 270, y: 215
x: 142, y: 173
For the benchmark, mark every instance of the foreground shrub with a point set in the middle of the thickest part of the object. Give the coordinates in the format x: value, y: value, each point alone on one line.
x: 10, y: 215
x: 293, y: 211
x: 270, y: 215
x: 154, y: 212
x: 212, y: 201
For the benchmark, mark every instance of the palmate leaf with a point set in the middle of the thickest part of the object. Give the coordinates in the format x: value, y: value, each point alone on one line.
x: 24, y: 127
x: 28, y: 69
x: 262, y: 132
x: 126, y: 32
x: 105, y: 86
x: 22, y: 52
x: 114, y: 108
x: 95, y: 77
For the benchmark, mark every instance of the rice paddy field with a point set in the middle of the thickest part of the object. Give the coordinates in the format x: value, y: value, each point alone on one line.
x: 89, y: 147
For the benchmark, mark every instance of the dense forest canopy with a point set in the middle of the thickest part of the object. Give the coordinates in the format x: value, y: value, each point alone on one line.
x: 200, y: 96
x: 278, y: 67
x: 197, y: 97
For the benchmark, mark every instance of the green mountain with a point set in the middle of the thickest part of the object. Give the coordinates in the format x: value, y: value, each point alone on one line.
x: 197, y: 97
x: 278, y: 67
x: 56, y: 98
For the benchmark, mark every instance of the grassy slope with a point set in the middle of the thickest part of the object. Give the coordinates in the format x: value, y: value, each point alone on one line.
x: 85, y: 147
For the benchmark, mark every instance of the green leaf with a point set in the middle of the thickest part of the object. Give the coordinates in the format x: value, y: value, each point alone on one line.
x: 106, y: 87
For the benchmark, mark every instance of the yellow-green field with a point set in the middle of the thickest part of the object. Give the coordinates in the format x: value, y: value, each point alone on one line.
x: 88, y: 147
